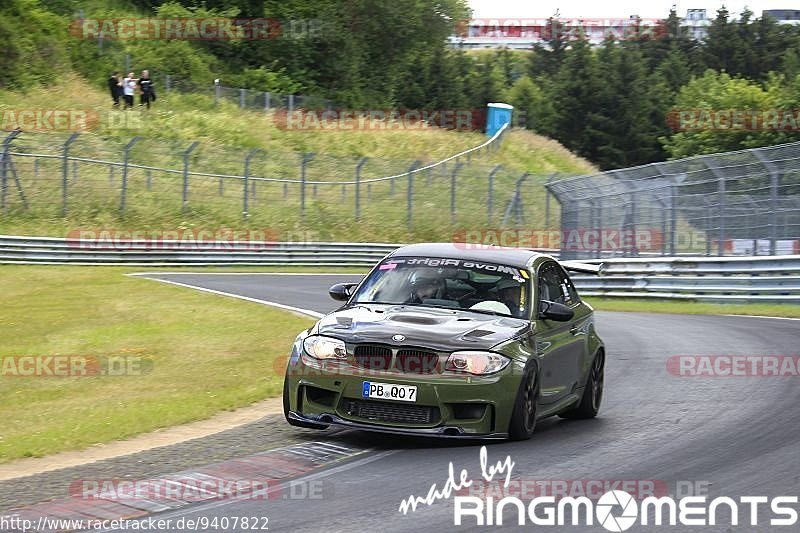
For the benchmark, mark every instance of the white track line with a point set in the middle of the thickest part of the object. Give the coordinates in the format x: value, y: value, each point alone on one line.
x: 761, y: 316
x: 244, y: 274
x: 293, y: 309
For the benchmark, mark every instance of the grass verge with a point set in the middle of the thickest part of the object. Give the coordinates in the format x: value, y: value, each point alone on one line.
x: 197, y: 355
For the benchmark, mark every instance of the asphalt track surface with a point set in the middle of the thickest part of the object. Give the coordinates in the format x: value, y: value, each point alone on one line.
x: 737, y: 436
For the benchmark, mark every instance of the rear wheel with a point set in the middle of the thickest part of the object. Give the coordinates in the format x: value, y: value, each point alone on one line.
x: 592, y: 392
x: 523, y: 419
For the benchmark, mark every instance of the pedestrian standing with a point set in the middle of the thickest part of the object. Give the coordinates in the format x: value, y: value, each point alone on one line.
x: 115, y: 88
x: 147, y: 94
x: 129, y: 88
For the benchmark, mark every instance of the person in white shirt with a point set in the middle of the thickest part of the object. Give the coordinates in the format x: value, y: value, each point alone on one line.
x: 129, y: 88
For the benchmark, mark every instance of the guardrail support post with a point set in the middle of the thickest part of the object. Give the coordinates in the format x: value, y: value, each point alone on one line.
x: 490, y: 198
x: 186, y: 154
x: 124, y: 190
x: 304, y: 163
x: 65, y: 172
x: 410, y: 192
x: 245, y: 200
x: 453, y: 176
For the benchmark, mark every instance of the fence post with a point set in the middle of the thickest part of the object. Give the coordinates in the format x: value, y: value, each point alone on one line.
x: 65, y: 172
x: 453, y: 176
x: 167, y: 83
x: 246, y: 198
x: 673, y: 219
x: 361, y: 163
x: 217, y: 89
x: 291, y: 103
x: 305, y: 161
x: 242, y: 94
x: 4, y: 168
x: 186, y: 154
x: 124, y: 191
x: 490, y: 198
x: 774, y: 183
x: 721, y: 193
x: 410, y: 192
x: 266, y: 101
x: 547, y: 201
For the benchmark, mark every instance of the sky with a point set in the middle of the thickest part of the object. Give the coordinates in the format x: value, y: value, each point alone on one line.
x: 614, y: 9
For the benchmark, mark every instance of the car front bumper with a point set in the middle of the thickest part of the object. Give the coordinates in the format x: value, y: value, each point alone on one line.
x: 448, y: 406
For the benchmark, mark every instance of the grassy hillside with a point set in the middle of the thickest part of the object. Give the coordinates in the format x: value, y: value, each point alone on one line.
x: 227, y: 134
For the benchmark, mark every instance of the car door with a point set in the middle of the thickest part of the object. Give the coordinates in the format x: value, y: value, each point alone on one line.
x: 559, y: 345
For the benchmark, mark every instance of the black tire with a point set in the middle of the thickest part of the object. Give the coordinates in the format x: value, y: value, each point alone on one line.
x: 589, y: 405
x: 523, y: 418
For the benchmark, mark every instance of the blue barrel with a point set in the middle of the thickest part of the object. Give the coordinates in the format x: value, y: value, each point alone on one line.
x: 497, y: 116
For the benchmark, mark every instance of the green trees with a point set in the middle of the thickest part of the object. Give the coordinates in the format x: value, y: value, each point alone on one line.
x: 609, y: 103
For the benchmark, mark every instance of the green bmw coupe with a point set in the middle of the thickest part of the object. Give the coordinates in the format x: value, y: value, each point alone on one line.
x: 450, y: 340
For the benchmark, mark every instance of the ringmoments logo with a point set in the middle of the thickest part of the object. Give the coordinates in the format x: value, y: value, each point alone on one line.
x: 615, y: 510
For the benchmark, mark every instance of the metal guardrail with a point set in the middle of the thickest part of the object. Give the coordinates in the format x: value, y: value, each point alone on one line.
x: 720, y: 279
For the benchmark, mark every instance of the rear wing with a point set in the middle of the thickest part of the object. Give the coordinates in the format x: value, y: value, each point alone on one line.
x: 583, y: 268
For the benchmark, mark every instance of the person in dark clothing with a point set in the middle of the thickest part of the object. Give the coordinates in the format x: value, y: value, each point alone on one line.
x: 115, y: 88
x: 147, y: 92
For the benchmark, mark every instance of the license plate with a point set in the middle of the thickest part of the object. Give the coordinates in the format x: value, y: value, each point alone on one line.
x: 388, y: 391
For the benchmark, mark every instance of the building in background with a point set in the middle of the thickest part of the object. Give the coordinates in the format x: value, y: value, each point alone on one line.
x: 522, y: 34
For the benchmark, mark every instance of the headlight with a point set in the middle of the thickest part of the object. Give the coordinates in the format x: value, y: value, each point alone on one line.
x: 478, y: 363
x: 324, y: 347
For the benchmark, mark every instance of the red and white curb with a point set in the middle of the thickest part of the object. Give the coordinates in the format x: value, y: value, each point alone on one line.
x: 270, y: 468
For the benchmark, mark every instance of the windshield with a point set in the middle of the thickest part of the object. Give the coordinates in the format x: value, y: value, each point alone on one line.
x: 450, y: 283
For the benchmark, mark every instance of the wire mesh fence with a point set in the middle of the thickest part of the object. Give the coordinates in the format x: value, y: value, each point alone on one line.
x: 244, y: 98
x: 736, y: 203
x: 82, y: 176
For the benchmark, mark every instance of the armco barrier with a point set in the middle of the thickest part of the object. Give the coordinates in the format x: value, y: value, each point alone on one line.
x: 722, y: 279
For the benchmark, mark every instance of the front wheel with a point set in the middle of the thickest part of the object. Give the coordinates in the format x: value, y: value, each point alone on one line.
x: 523, y: 419
x: 592, y: 392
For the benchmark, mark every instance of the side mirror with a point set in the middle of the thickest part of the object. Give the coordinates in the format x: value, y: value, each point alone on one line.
x: 555, y: 311
x: 342, y: 291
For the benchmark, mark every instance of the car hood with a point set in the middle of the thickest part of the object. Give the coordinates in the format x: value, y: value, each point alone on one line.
x: 438, y: 329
